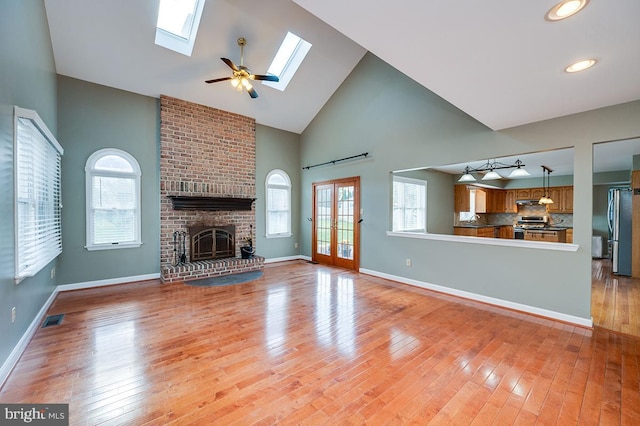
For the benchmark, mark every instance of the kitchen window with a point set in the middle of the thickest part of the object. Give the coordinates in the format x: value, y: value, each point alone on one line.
x: 409, y: 204
x: 113, y: 200
x: 38, y: 208
x: 278, y: 189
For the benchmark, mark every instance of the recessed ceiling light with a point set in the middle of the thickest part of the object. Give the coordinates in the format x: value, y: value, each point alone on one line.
x: 581, y: 65
x: 564, y: 9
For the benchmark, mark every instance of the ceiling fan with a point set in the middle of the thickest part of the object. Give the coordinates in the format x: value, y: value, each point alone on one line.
x: 242, y: 77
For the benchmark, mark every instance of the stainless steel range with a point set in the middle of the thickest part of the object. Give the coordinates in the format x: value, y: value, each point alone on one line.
x: 528, y: 222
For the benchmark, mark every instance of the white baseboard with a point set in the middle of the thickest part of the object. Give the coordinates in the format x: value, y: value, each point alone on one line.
x: 485, y: 299
x: 17, y: 351
x: 286, y: 259
x: 111, y: 281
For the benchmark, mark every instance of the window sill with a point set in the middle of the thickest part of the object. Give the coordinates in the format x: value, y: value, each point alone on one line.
x: 488, y: 241
x: 284, y: 235
x: 113, y: 246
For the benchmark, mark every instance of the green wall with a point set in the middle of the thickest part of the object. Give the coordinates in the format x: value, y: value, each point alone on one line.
x: 277, y: 149
x: 93, y: 117
x: 403, y: 125
x: 28, y: 80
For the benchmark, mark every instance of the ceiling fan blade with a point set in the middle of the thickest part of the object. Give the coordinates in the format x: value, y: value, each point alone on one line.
x: 215, y: 80
x: 230, y: 63
x: 252, y: 92
x: 265, y: 77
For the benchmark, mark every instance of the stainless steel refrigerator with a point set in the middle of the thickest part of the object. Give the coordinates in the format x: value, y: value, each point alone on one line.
x: 619, y: 215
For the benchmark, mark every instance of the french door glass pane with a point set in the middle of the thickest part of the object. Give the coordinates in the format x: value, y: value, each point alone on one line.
x: 323, y: 220
x: 345, y: 215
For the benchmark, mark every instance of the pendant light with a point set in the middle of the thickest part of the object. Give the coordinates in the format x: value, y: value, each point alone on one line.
x: 545, y: 198
x: 490, y: 167
x: 467, y: 176
x: 519, y: 171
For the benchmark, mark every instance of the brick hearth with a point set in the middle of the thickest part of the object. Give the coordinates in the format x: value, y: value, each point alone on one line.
x: 210, y: 268
x: 204, y: 152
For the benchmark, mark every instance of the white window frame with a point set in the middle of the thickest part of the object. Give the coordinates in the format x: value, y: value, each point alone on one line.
x: 405, y: 180
x: 91, y: 172
x: 37, y: 194
x: 286, y: 62
x: 286, y: 187
x: 176, y: 42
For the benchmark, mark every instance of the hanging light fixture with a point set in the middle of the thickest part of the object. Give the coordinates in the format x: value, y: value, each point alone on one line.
x: 545, y: 198
x: 491, y: 175
x: 467, y: 176
x: 490, y: 167
x: 519, y: 171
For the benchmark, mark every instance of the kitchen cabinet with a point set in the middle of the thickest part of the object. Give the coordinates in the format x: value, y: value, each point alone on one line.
x: 496, y: 201
x: 510, y: 201
x: 558, y: 236
x: 523, y: 194
x: 461, y: 198
x: 555, y: 193
x: 505, y: 231
x: 570, y: 236
x: 471, y: 231
x: 567, y: 199
x: 562, y: 197
x: 536, y: 193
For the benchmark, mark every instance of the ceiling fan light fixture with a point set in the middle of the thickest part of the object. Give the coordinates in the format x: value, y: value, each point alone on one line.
x: 581, y: 65
x: 235, y: 82
x: 565, y: 9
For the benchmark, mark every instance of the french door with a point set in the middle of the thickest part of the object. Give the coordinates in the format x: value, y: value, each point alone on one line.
x: 336, y: 229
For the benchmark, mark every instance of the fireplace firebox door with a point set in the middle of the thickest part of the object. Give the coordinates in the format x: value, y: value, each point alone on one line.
x: 212, y: 242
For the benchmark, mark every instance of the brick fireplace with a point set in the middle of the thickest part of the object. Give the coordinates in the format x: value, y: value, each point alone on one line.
x: 207, y: 180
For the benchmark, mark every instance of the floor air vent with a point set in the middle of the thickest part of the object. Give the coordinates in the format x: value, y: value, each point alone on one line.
x: 52, y: 320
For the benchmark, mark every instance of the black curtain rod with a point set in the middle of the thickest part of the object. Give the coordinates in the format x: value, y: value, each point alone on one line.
x: 364, y: 154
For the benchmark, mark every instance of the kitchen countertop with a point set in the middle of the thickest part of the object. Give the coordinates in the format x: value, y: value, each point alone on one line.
x: 477, y: 226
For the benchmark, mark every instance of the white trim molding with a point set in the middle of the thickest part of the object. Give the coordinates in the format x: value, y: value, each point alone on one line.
x: 559, y: 316
x: 111, y: 281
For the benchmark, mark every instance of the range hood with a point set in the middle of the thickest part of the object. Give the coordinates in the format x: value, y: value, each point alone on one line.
x: 527, y: 202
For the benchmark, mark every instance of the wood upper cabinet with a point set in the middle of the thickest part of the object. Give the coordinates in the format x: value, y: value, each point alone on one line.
x: 510, y: 201
x: 562, y: 197
x: 536, y: 193
x: 555, y: 193
x: 523, y: 194
x: 567, y: 199
x: 461, y: 201
x: 496, y: 201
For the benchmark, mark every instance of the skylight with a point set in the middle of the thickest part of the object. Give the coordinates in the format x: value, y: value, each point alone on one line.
x: 286, y: 62
x: 178, y: 22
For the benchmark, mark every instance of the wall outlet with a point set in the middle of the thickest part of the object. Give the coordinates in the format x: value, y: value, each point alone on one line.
x: 53, y: 272
x: 408, y: 262
x: 13, y: 315
x: 295, y: 245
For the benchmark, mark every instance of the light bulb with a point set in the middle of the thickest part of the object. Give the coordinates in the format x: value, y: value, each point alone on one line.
x: 235, y: 82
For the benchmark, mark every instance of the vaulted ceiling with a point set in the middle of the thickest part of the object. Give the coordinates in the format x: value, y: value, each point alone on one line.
x: 499, y: 61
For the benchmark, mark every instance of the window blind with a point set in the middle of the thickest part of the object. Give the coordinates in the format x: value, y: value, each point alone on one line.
x: 38, y: 237
x: 409, y: 205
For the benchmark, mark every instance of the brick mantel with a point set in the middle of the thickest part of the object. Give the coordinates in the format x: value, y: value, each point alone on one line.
x: 204, y: 152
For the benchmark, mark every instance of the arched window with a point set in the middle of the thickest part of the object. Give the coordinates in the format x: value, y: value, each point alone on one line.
x: 278, y: 204
x: 113, y: 200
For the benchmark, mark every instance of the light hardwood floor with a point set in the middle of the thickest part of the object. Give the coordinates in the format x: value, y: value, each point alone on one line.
x: 615, y: 300
x: 309, y: 344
